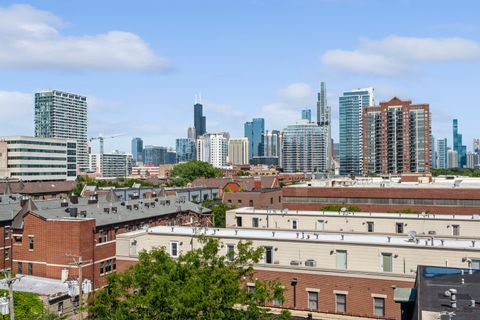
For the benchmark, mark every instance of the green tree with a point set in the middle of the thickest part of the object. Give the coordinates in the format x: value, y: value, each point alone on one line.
x: 338, y: 208
x: 29, y: 306
x: 202, y: 284
x: 191, y: 170
x: 219, y: 212
x: 242, y: 173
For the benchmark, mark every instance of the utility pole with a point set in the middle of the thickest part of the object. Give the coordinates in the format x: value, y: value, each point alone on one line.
x: 79, y: 263
x: 10, y: 281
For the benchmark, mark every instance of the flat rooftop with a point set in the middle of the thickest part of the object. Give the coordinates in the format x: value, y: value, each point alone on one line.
x: 419, y: 216
x: 442, y: 182
x: 37, y: 285
x: 315, y: 237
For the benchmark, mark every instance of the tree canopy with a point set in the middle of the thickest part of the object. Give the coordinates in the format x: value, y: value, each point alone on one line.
x: 189, y: 171
x: 202, y: 284
x: 29, y: 306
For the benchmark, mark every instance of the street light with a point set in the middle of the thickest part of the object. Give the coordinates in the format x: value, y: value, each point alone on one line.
x: 293, y: 283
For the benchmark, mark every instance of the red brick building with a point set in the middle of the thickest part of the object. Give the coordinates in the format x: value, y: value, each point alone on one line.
x: 41, y: 237
x: 260, y: 199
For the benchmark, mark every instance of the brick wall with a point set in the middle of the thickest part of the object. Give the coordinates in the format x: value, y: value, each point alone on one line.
x: 260, y: 200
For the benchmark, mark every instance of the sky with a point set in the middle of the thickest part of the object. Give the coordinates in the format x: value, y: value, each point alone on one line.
x: 141, y: 63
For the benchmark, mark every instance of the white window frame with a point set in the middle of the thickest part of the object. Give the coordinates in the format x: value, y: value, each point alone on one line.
x: 344, y: 303
x: 375, y: 307
x: 370, y: 223
x: 294, y: 224
x: 232, y: 257
x: 177, y: 247
x: 320, y: 223
x: 337, y: 259
x: 455, y: 229
x: 309, y: 300
x: 383, y: 254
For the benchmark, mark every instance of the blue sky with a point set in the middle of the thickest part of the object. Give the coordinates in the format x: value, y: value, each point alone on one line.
x: 141, y: 63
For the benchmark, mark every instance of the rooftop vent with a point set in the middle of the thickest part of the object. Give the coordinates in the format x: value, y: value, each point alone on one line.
x: 114, y: 209
x: 64, y: 203
x: 295, y: 263
x: 73, y: 212
x: 310, y: 263
x: 129, y: 207
x: 106, y: 210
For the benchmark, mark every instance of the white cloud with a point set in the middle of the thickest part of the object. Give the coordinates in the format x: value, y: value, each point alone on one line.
x: 17, y: 111
x: 395, y: 55
x: 296, y: 92
x: 32, y: 38
x: 279, y: 115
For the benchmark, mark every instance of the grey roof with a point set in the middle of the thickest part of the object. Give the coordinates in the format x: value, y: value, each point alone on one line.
x: 38, y: 285
x: 111, y: 196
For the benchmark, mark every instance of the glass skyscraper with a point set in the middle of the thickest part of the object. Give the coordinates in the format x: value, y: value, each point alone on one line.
x: 351, y: 106
x: 458, y: 146
x: 442, y: 152
x: 137, y: 150
x: 324, y: 122
x: 254, y: 131
x: 61, y: 114
x: 307, y: 114
x: 185, y: 149
x: 199, y: 120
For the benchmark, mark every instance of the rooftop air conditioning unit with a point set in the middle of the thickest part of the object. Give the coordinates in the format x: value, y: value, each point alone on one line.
x: 310, y: 263
x: 295, y: 263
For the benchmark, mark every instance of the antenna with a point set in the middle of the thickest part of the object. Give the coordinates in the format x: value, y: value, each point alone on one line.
x: 200, y: 98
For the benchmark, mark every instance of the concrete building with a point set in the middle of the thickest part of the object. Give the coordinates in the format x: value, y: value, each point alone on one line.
x: 324, y: 121
x: 351, y: 106
x: 191, y: 133
x: 396, y: 138
x: 137, y: 150
x: 162, y: 171
x: 424, y: 226
x: 185, y: 149
x: 254, y: 131
x: 238, y: 151
x: 324, y: 273
x: 442, y: 151
x: 213, y: 148
x: 439, y: 196
x: 452, y: 159
x: 303, y: 148
x: 60, y: 114
x: 38, y: 159
x: 111, y: 165
x: 433, y: 153
x: 472, y: 160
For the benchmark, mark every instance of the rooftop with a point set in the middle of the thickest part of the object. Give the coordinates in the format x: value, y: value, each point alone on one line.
x: 426, y: 216
x: 38, y: 285
x: 316, y: 237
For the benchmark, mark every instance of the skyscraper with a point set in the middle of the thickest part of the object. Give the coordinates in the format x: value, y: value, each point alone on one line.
x: 307, y: 114
x: 137, y: 149
x: 199, y: 120
x: 303, y: 148
x: 458, y: 146
x: 238, y: 151
x: 396, y: 138
x: 60, y: 114
x: 442, y: 151
x: 254, y: 131
x: 191, y: 134
x: 155, y: 156
x: 433, y: 153
x: 351, y: 106
x: 185, y: 148
x: 213, y: 148
x: 324, y: 121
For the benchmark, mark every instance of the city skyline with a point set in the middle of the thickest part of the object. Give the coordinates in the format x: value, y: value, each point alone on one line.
x: 174, y: 76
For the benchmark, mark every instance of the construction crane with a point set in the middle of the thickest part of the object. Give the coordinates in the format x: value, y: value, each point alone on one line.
x: 101, y: 137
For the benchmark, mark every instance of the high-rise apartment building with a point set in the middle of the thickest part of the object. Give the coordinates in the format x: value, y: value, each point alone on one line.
x: 254, y: 131
x: 60, y: 114
x: 191, y: 133
x: 238, y: 151
x: 433, y: 153
x: 324, y: 121
x: 111, y: 165
x: 396, y: 138
x: 199, y: 120
x: 307, y: 114
x: 442, y: 153
x: 452, y: 158
x: 458, y: 146
x: 351, y: 106
x: 304, y: 148
x: 155, y: 156
x: 472, y: 160
x: 185, y: 148
x: 213, y: 148
x: 38, y: 159
x: 137, y: 149
x: 476, y: 146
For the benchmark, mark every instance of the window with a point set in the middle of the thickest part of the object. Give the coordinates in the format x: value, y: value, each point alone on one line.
x: 6, y: 231
x: 370, y: 225
x: 312, y: 300
x: 455, y: 229
x: 108, y: 266
x: 341, y: 302
x: 20, y: 268
x: 174, y: 249
x: 399, y: 227
x: 7, y: 253
x: 30, y: 243
x: 251, y: 288
x: 250, y: 203
x: 341, y: 259
x: 294, y: 224
x: 114, y: 264
x: 475, y: 264
x: 268, y: 255
x: 254, y: 222
x: 271, y: 200
x: 102, y: 270
x: 239, y: 201
x: 387, y: 262
x: 320, y: 225
x: 239, y: 221
x: 100, y: 236
x: 30, y: 269
x: 379, y: 307
x: 230, y: 252
x: 277, y: 302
